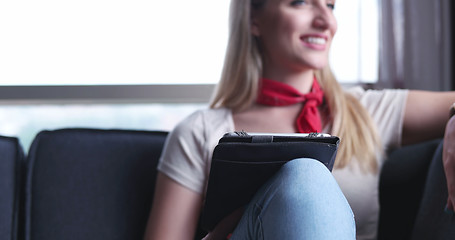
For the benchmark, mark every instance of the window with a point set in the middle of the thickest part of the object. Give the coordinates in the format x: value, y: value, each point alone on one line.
x: 101, y: 42
x: 98, y: 42
x: 134, y: 64
x: 354, y: 54
x: 26, y: 120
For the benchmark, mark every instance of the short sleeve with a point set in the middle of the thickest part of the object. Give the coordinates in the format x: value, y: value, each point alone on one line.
x: 386, y: 107
x: 188, y: 150
x: 183, y: 155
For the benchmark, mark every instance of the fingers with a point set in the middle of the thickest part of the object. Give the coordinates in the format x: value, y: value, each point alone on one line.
x: 450, y: 204
x: 449, y: 209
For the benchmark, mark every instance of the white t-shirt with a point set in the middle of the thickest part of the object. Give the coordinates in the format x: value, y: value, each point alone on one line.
x: 188, y: 151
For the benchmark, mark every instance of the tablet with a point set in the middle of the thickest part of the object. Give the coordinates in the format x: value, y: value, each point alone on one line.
x: 242, y: 162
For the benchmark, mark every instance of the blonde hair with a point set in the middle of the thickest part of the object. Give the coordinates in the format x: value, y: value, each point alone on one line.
x: 239, y: 82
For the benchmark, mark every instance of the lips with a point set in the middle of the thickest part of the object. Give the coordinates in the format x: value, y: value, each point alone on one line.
x: 316, y: 42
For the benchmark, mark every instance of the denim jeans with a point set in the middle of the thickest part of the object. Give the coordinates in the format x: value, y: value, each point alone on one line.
x: 301, y: 201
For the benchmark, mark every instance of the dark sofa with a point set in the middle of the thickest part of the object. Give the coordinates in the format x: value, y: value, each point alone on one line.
x: 413, y: 195
x: 99, y: 184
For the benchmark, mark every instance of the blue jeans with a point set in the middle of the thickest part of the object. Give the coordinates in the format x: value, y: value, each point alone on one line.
x: 301, y: 201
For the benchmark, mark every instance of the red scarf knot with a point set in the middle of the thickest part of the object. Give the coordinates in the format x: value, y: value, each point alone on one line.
x: 274, y: 93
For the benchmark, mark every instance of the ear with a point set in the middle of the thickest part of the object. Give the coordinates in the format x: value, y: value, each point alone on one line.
x: 255, y: 26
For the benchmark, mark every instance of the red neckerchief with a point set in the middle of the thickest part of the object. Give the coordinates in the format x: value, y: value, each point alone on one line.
x: 274, y: 93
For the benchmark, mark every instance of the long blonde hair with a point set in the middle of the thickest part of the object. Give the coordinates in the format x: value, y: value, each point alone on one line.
x: 239, y: 82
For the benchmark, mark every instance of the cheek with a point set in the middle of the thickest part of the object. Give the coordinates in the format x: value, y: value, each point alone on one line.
x: 334, y: 27
x: 296, y: 26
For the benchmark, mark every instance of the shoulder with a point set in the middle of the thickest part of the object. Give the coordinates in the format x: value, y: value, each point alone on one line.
x: 205, y: 119
x: 189, y: 146
x: 386, y: 108
x: 372, y: 94
x: 203, y: 125
x: 372, y: 99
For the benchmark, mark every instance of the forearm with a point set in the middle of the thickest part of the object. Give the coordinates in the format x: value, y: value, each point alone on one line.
x: 175, y: 211
x: 426, y: 115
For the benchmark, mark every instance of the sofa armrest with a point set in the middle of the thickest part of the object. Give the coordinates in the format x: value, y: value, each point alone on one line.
x: 401, y: 187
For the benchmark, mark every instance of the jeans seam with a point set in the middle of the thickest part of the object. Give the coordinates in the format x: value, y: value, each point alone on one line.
x: 259, y: 222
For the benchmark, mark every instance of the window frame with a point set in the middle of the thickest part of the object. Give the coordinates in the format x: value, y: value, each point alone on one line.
x: 153, y: 93
x: 144, y: 93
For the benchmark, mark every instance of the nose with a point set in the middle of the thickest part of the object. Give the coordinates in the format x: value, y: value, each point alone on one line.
x: 323, y: 18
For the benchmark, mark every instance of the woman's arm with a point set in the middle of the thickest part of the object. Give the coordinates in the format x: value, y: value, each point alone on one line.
x: 448, y: 161
x: 175, y: 211
x: 427, y: 117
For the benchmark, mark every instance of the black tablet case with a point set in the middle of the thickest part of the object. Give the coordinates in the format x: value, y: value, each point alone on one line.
x: 242, y: 163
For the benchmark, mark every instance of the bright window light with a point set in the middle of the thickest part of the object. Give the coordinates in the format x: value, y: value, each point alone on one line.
x: 48, y: 42
x: 98, y: 42
x: 354, y: 54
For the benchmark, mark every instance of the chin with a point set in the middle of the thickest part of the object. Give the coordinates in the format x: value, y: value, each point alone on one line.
x: 320, y: 67
x: 317, y: 65
x: 313, y: 62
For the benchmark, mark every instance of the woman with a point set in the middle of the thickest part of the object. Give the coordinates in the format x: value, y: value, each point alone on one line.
x: 282, y: 46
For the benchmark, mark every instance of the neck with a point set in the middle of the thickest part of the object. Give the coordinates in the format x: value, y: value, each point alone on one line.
x: 301, y: 81
x: 297, y: 77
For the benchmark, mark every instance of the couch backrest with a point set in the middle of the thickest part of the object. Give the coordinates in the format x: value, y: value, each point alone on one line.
x: 90, y: 184
x: 11, y: 160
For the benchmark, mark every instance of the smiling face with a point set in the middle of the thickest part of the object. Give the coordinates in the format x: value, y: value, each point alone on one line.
x: 295, y: 35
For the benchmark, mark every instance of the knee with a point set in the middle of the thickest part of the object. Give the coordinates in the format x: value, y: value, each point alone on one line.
x: 302, y: 169
x: 306, y: 178
x: 306, y: 191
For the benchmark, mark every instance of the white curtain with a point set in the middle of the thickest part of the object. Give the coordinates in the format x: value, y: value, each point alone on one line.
x: 415, y: 44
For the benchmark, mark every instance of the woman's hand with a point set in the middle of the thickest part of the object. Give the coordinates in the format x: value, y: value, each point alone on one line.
x: 175, y: 211
x: 226, y: 226
x: 448, y: 160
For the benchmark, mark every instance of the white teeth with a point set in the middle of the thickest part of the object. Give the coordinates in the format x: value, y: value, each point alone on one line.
x: 316, y: 40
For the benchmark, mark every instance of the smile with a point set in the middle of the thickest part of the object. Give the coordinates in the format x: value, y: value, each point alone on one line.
x: 315, y: 40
